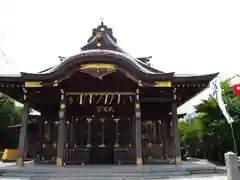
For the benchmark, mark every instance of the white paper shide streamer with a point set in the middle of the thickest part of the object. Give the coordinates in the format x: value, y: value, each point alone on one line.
x: 217, y: 94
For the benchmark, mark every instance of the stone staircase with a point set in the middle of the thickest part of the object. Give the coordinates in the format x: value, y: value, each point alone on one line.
x: 101, y: 176
x: 97, y: 176
x: 105, y: 172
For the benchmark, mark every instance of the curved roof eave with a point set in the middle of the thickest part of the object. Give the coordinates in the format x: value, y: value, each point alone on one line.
x: 149, y: 67
x: 98, y: 52
x: 45, y: 70
x: 125, y: 59
x: 11, y: 77
x: 179, y: 78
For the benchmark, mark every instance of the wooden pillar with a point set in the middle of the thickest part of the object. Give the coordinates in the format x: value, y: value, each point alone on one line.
x: 170, y: 137
x: 155, y: 132
x: 138, y: 130
x: 150, y: 131
x: 176, y: 133
x: 158, y: 132
x: 133, y: 132
x: 71, y: 133
x: 51, y: 128
x: 89, y: 120
x: 165, y: 144
x: 165, y: 141
x: 102, y: 132
x: 61, y: 130
x: 23, y: 134
x: 74, y: 131
x: 40, y: 124
x: 130, y: 132
x: 116, y: 133
x: 160, y: 137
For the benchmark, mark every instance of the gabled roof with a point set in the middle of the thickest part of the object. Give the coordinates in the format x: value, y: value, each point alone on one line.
x: 102, y: 43
x: 121, y: 59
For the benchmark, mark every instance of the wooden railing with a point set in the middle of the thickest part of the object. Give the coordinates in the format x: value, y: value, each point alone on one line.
x: 124, y: 156
x: 49, y: 153
x: 77, y: 156
x: 82, y: 155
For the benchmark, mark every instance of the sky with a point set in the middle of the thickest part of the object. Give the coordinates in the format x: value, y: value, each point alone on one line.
x: 187, y: 36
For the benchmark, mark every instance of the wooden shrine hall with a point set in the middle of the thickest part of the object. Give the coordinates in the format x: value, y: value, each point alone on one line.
x: 102, y: 106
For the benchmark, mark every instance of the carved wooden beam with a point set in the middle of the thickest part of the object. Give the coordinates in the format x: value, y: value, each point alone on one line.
x: 155, y: 99
x: 162, y: 84
x: 100, y: 93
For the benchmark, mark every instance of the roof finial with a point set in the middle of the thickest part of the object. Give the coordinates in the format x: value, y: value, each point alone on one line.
x: 102, y: 19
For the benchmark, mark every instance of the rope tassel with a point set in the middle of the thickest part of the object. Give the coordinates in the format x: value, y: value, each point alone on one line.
x: 112, y: 97
x: 90, y: 99
x: 130, y: 99
x: 106, y: 98
x: 71, y: 100
x: 80, y: 102
x: 99, y: 99
x: 119, y: 97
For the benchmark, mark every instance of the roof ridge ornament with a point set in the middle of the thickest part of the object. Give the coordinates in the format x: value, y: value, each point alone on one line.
x: 61, y: 58
x: 102, y: 19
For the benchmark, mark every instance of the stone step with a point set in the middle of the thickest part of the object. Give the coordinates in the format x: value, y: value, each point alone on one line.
x: 193, y: 177
x: 95, y: 174
x: 98, y: 175
x: 98, y: 171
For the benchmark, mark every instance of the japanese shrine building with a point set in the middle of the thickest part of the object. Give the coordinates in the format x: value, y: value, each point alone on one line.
x: 102, y: 106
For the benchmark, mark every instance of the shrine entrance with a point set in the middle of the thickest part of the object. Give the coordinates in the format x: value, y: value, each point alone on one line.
x: 102, y: 141
x: 98, y: 131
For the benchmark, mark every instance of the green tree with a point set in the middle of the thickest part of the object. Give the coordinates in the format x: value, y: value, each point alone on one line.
x: 8, y: 113
x: 191, y: 135
x: 210, y: 132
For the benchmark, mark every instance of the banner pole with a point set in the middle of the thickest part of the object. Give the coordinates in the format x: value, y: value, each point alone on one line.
x: 234, y: 139
x: 231, y: 126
